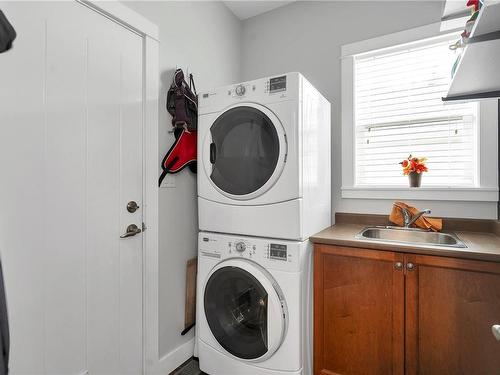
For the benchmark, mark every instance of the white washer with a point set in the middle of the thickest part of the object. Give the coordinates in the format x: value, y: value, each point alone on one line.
x: 253, y: 306
x: 264, y: 159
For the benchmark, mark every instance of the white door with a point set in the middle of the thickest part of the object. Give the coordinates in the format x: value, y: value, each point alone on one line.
x: 71, y: 153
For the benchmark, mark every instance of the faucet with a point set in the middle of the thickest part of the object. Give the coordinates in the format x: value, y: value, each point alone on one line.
x: 409, y: 220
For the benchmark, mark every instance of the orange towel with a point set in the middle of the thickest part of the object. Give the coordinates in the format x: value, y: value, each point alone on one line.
x: 423, y: 222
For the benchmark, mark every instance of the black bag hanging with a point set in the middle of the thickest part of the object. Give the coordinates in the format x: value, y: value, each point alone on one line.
x: 182, y: 102
x: 7, y: 33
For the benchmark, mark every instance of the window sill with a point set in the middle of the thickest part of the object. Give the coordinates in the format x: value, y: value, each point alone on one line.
x: 422, y: 193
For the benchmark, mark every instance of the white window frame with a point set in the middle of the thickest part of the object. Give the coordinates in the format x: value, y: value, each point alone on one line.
x: 487, y: 189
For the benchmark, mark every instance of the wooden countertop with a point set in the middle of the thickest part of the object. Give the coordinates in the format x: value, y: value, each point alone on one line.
x: 481, y: 245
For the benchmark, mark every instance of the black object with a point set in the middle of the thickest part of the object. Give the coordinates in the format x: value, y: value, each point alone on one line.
x: 190, y: 367
x: 4, y: 329
x: 479, y: 95
x: 7, y: 33
x: 182, y: 102
x: 213, y: 153
x: 187, y: 329
x: 235, y: 304
x: 245, y: 150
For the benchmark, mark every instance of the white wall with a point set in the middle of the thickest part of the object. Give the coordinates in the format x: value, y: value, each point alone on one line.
x: 307, y: 37
x: 204, y: 37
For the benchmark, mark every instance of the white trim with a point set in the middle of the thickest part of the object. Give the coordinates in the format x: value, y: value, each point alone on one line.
x: 422, y: 193
x: 151, y: 173
x: 390, y: 40
x: 174, y: 359
x: 125, y: 16
x: 487, y: 170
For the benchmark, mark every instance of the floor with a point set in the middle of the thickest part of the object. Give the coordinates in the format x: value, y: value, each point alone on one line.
x: 190, y: 367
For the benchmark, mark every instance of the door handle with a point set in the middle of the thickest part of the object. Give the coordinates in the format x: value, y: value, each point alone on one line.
x: 496, y: 331
x: 213, y: 151
x: 132, y: 230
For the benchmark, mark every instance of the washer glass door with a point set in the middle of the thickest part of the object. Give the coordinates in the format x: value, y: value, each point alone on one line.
x: 237, y: 309
x: 244, y: 151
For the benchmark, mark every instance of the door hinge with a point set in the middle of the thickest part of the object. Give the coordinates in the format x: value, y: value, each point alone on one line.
x: 144, y: 227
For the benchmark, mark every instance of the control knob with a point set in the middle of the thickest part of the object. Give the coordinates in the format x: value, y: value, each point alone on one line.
x: 240, y: 246
x: 240, y: 90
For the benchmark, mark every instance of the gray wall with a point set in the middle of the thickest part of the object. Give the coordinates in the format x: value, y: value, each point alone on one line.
x: 206, y: 38
x: 307, y: 37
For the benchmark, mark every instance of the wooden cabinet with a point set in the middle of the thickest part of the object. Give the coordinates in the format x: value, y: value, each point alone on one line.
x: 382, y: 312
x: 451, y: 305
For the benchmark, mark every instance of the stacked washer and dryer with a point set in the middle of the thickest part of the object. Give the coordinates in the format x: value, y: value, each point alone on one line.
x: 263, y: 189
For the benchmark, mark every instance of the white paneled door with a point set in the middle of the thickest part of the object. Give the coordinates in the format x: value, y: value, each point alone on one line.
x: 71, y: 119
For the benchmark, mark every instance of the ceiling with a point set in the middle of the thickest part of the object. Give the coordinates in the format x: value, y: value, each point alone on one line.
x: 247, y: 9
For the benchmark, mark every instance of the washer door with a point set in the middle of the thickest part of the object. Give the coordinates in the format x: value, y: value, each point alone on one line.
x: 245, y: 310
x: 247, y: 151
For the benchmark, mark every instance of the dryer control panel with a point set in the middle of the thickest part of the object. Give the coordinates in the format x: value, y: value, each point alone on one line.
x: 272, y: 254
x: 277, y: 84
x: 264, y: 91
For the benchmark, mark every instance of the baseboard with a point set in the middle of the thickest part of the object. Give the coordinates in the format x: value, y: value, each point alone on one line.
x: 174, y: 359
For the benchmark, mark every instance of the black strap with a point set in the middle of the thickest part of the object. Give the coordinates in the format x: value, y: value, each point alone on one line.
x: 166, y: 170
x: 187, y: 329
x: 191, y: 82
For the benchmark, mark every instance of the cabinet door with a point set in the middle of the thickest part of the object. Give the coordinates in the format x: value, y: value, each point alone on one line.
x: 358, y: 312
x: 450, y: 309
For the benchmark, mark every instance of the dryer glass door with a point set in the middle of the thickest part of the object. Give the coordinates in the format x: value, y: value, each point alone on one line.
x: 236, y: 308
x: 244, y: 151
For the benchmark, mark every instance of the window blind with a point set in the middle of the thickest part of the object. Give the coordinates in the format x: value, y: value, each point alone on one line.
x: 398, y: 111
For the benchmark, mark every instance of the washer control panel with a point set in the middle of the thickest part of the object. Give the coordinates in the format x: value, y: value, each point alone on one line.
x: 240, y: 246
x: 276, y: 254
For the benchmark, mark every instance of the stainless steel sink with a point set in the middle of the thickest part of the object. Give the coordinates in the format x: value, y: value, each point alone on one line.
x: 410, y: 236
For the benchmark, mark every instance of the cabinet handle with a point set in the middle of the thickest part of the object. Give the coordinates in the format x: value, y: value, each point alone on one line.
x: 410, y: 266
x: 496, y: 331
x: 398, y: 266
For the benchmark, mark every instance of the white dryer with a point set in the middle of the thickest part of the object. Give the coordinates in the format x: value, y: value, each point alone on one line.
x: 253, y: 306
x: 264, y: 159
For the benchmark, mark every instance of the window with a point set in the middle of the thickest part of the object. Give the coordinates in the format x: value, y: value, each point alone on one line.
x: 398, y: 111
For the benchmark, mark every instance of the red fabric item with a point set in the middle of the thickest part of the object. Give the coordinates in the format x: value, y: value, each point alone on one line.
x: 182, y: 152
x: 474, y: 3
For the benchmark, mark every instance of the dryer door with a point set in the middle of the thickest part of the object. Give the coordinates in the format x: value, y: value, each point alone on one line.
x: 247, y: 151
x: 245, y: 310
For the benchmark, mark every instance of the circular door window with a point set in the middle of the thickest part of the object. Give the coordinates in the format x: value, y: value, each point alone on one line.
x: 245, y: 150
x: 237, y: 307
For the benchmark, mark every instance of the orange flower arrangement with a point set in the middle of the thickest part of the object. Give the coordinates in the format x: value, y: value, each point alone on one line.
x: 412, y: 164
